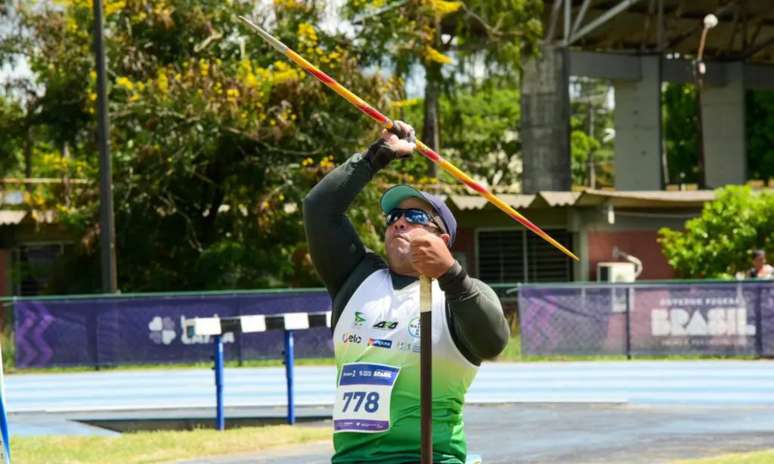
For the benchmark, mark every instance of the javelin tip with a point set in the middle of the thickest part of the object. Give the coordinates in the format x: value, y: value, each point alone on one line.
x: 273, y: 41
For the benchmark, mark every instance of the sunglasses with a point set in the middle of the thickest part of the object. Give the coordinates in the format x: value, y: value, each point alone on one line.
x: 413, y: 216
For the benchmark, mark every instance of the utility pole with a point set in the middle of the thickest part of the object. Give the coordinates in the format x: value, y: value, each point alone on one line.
x: 107, y: 237
x: 699, y: 69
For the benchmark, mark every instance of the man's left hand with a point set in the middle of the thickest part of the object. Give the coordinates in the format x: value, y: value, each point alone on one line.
x: 429, y: 254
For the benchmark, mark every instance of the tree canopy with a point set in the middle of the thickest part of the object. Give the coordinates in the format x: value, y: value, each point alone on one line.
x: 215, y: 138
x: 718, y: 243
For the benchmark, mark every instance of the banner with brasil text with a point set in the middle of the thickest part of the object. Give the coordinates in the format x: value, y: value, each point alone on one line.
x: 114, y: 330
x: 712, y: 318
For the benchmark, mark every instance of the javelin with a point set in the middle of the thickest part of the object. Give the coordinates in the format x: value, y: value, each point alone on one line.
x: 423, y: 149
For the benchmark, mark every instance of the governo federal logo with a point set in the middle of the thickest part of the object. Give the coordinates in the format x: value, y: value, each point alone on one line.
x: 413, y: 327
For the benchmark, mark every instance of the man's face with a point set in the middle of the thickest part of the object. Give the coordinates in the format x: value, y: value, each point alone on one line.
x: 396, y: 236
x: 759, y: 261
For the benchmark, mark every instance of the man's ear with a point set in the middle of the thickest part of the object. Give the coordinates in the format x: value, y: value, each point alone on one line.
x: 446, y: 238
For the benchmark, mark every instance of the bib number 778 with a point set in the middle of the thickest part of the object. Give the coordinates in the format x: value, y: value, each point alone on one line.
x: 363, y: 397
x: 371, y: 401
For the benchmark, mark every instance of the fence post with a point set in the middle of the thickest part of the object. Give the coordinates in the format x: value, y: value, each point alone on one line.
x: 238, y: 341
x: 95, y: 338
x: 289, y: 356
x: 629, y: 290
x: 759, y: 323
x: 220, y: 420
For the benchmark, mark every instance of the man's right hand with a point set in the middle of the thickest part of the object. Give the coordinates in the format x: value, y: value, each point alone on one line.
x: 400, y: 139
x: 397, y: 142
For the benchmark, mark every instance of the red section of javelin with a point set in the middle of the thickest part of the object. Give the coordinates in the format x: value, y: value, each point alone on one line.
x: 326, y: 79
x: 529, y: 225
x: 477, y: 187
x: 432, y: 155
x: 373, y: 113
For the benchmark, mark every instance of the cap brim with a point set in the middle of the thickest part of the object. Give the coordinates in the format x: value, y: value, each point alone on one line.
x: 395, y: 195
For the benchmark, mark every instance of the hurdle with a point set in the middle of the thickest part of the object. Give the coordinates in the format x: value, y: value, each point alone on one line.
x: 287, y: 322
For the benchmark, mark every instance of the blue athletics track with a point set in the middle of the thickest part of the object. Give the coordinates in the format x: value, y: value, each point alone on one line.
x: 629, y: 411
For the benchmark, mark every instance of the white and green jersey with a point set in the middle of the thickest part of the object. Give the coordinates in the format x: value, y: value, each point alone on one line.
x: 377, y: 410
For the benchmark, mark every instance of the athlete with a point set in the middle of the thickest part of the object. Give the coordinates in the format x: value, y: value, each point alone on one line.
x: 376, y: 416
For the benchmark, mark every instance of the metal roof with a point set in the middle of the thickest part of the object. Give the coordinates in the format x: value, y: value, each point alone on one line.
x: 650, y: 198
x: 9, y: 218
x: 468, y: 202
x: 591, y: 197
x: 745, y: 30
x: 553, y: 198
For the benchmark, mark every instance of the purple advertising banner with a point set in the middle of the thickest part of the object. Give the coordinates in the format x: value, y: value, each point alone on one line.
x: 734, y: 318
x: 118, y: 330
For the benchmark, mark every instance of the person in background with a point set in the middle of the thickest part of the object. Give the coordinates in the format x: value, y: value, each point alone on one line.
x: 760, y: 269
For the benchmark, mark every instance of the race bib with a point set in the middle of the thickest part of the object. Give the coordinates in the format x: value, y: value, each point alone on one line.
x: 363, y: 398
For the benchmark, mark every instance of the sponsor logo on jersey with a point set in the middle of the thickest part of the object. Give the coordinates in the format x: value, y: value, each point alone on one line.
x: 386, y: 325
x: 405, y: 346
x: 359, y: 319
x: 413, y: 327
x: 349, y: 337
x: 381, y: 343
x: 384, y: 374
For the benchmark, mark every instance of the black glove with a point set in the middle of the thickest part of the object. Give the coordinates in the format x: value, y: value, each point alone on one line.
x: 379, y: 154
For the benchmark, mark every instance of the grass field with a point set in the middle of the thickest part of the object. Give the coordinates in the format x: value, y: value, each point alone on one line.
x: 160, y: 447
x: 757, y: 457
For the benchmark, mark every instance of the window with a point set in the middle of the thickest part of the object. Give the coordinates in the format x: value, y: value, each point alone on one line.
x: 32, y: 267
x: 506, y: 256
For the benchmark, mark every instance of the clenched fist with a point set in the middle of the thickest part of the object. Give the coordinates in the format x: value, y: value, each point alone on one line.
x: 428, y: 253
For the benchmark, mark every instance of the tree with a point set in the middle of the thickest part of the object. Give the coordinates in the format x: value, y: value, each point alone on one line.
x: 215, y: 138
x: 471, y: 41
x: 718, y: 243
x: 681, y: 133
x: 479, y: 135
x: 11, y: 116
x: 591, y: 147
x: 760, y: 134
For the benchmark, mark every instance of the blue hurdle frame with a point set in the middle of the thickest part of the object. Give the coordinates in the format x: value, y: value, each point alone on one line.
x: 289, y: 322
x: 289, y: 356
x: 4, y: 431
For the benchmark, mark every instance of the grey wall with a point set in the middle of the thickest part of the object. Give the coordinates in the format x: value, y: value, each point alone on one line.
x: 638, y: 129
x: 723, y: 126
x: 545, y: 122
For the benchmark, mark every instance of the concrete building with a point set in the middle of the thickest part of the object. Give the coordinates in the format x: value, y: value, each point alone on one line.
x: 30, y: 240
x: 590, y: 223
x: 638, y: 45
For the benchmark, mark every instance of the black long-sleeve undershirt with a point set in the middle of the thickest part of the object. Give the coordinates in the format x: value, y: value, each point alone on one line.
x: 474, y: 312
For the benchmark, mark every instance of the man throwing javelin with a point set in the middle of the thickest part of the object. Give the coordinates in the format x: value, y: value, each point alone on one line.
x: 376, y: 313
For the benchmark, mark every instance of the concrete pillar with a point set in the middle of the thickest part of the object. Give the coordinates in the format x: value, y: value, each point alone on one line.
x: 545, y: 121
x: 638, y: 129
x: 723, y: 128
